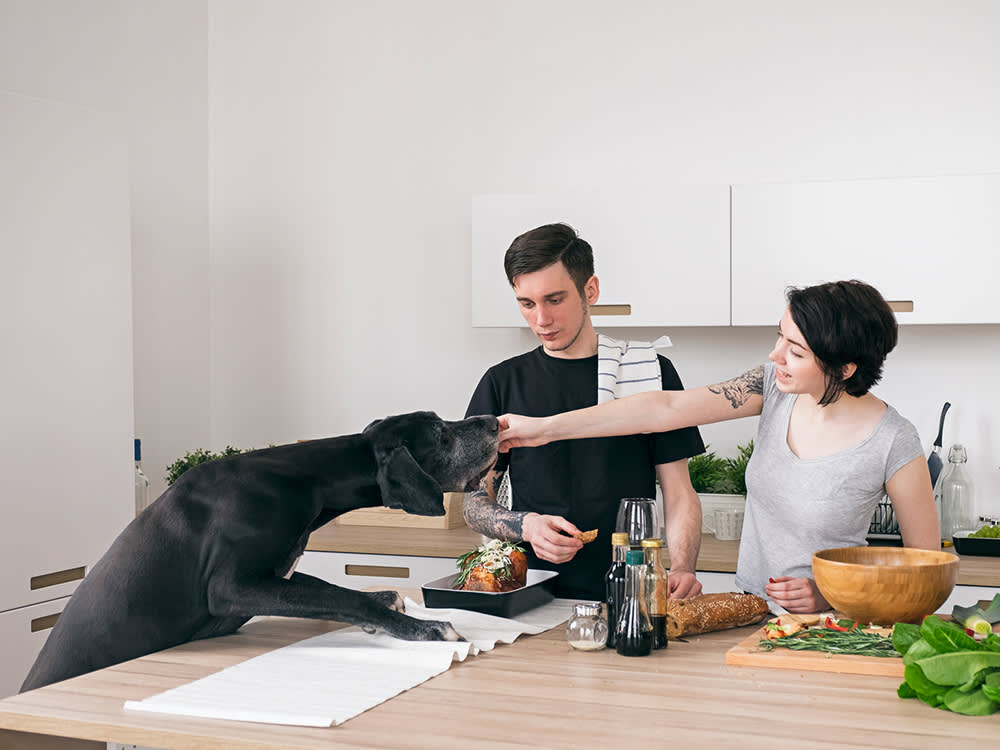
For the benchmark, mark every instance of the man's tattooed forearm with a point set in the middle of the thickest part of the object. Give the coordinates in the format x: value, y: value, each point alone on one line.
x: 483, y: 515
x: 739, y: 390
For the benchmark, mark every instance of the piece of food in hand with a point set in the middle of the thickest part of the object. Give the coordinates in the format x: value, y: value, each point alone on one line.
x: 495, y: 566
x: 586, y: 536
x: 710, y: 612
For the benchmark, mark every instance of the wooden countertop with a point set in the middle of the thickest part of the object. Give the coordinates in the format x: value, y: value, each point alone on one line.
x: 715, y: 555
x: 536, y: 692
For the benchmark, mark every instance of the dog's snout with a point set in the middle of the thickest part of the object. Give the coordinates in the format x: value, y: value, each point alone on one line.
x: 487, y: 421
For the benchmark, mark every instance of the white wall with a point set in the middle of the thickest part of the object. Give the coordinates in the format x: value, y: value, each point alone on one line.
x: 144, y: 63
x: 347, y: 139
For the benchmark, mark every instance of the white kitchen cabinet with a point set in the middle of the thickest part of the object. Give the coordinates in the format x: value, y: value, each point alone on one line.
x: 22, y: 633
x: 662, y: 257
x: 358, y: 571
x: 930, y: 244
x: 66, y: 337
x: 965, y: 596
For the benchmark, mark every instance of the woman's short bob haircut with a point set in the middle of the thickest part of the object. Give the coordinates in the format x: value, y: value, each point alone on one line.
x: 843, y: 323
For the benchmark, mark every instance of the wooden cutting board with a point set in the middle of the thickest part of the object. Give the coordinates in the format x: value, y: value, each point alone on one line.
x: 748, y: 653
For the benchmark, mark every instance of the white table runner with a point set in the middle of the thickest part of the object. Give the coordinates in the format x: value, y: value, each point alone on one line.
x: 299, y: 684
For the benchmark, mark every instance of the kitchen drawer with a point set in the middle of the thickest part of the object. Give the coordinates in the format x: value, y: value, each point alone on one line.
x: 22, y: 634
x: 358, y: 571
x: 717, y: 583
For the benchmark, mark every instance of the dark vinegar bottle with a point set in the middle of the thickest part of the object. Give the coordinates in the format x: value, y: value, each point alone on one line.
x: 614, y: 583
x: 634, y: 636
x: 657, y: 590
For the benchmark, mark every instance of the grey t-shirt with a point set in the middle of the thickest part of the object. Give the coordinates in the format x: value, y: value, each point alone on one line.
x: 797, y: 506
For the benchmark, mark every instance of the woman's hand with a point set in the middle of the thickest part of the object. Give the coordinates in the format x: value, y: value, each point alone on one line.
x: 547, y: 536
x: 796, y: 594
x: 520, y: 432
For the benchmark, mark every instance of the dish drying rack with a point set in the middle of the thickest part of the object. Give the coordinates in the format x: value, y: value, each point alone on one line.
x: 884, y: 524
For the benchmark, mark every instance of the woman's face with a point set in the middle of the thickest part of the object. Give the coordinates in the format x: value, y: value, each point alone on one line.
x: 797, y: 369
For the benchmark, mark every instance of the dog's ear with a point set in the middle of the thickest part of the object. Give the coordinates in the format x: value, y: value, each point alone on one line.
x: 405, y: 485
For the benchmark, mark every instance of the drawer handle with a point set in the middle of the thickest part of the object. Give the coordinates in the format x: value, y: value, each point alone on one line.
x: 382, y: 571
x: 44, y: 623
x: 60, y: 576
x: 611, y: 309
x: 900, y: 305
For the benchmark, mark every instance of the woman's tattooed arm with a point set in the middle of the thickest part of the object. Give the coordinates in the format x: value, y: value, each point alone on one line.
x: 739, y: 390
x: 483, y: 514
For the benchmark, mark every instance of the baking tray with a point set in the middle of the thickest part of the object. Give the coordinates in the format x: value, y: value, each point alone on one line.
x: 540, y: 589
x: 966, y: 545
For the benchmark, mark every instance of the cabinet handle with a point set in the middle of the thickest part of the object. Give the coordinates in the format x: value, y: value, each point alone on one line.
x: 44, y: 623
x: 900, y: 305
x: 383, y: 571
x: 611, y: 309
x: 60, y: 576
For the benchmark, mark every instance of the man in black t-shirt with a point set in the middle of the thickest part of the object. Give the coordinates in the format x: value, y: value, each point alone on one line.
x: 575, y: 485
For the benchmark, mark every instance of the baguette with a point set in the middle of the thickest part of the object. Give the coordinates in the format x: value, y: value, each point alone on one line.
x: 708, y: 612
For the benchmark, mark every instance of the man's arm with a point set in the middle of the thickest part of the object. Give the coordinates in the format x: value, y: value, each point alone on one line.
x: 549, y: 536
x: 483, y: 514
x: 682, y: 515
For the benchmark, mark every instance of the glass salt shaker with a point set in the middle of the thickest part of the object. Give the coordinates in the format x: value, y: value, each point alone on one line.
x: 586, y: 629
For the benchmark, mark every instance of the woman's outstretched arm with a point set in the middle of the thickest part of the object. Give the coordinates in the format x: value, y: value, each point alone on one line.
x: 655, y: 411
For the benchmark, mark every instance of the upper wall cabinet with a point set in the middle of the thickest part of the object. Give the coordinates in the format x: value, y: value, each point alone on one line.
x: 662, y: 257
x: 928, y: 244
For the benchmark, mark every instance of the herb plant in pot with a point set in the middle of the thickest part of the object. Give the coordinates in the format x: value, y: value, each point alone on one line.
x: 720, y: 482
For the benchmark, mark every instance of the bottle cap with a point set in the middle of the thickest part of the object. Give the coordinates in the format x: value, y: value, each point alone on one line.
x: 634, y: 557
x: 652, y: 543
x: 587, y: 609
x: 957, y: 454
x: 619, y: 538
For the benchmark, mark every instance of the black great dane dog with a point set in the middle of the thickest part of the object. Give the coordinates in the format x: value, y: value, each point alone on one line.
x: 217, y: 547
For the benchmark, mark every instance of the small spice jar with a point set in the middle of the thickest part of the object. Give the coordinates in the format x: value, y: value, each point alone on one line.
x: 586, y: 629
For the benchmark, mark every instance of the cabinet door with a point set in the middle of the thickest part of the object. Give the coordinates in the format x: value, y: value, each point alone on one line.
x: 929, y: 244
x: 663, y: 255
x: 66, y: 338
x: 22, y: 634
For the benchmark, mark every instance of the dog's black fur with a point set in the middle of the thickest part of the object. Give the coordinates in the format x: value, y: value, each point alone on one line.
x: 215, y: 549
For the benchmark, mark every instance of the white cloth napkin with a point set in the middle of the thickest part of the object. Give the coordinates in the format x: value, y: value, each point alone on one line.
x: 306, y: 683
x: 627, y: 367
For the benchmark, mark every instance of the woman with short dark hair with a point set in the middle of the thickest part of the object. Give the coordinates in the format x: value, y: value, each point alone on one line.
x: 826, y: 451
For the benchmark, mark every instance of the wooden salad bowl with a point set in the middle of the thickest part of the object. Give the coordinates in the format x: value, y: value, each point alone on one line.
x: 885, y: 585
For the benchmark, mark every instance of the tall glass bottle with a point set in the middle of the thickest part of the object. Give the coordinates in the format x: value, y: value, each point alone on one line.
x: 614, y: 582
x: 141, y: 481
x: 957, y: 508
x: 634, y: 634
x: 657, y: 590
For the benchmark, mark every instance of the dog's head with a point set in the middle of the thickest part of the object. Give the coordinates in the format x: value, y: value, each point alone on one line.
x: 421, y: 456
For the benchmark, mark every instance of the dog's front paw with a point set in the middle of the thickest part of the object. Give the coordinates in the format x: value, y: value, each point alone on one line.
x: 390, y: 599
x: 438, y: 630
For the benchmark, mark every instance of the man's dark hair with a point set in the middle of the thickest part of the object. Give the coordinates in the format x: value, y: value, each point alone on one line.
x: 541, y: 247
x: 845, y: 322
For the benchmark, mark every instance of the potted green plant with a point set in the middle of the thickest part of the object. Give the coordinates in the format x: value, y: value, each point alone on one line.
x: 720, y: 482
x: 193, y: 458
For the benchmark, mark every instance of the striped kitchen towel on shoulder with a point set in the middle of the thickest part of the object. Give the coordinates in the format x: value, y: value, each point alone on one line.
x: 627, y: 367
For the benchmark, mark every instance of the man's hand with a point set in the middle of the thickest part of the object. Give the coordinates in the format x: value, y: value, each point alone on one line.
x: 547, y: 536
x: 796, y: 594
x: 683, y: 584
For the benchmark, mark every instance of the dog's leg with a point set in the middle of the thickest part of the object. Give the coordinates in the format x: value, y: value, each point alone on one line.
x: 306, y: 596
x: 390, y: 599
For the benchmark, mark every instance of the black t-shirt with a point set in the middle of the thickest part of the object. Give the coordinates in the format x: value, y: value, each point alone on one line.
x: 581, y: 480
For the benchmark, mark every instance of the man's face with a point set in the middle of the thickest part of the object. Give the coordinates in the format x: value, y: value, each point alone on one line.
x: 552, y: 306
